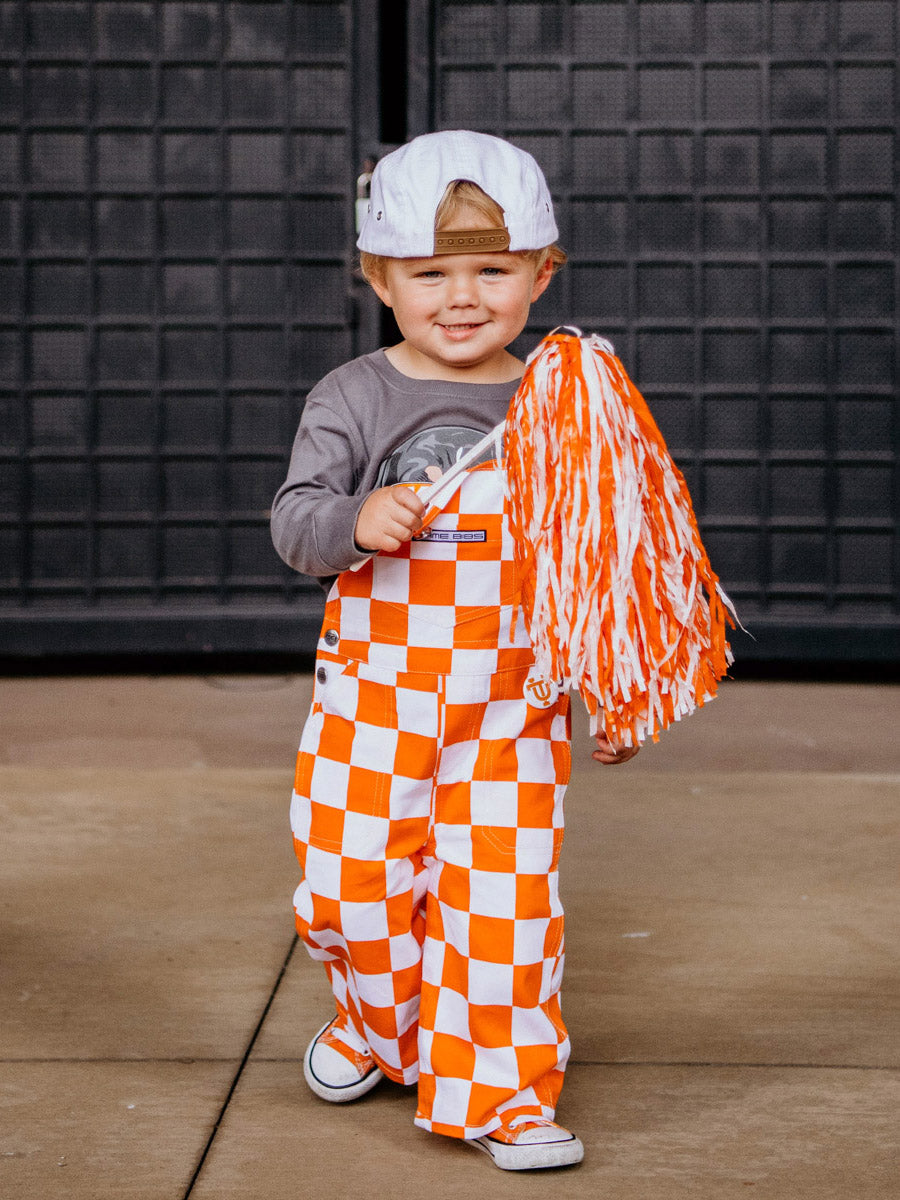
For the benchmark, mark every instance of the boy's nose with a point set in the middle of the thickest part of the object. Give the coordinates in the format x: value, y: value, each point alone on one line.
x: 462, y: 292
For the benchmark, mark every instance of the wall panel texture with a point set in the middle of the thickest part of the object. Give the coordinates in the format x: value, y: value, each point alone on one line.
x: 175, y: 213
x: 725, y: 172
x: 176, y: 207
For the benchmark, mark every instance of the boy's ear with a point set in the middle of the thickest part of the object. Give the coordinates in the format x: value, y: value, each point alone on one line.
x: 379, y: 286
x: 542, y: 279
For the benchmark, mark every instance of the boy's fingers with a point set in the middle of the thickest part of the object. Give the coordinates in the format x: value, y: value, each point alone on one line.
x: 408, y: 499
x: 608, y: 754
x: 410, y: 507
x: 401, y: 530
x: 402, y: 525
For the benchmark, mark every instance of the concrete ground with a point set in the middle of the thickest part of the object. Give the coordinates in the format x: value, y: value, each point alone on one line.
x: 731, y: 987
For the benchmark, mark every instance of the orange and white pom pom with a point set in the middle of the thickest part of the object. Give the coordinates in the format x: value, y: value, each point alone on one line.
x: 618, y: 594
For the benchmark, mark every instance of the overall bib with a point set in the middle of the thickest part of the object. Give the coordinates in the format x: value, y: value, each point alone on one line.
x: 428, y: 818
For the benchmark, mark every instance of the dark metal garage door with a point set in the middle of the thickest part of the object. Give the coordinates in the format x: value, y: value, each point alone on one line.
x: 175, y: 219
x: 176, y: 224
x: 726, y: 172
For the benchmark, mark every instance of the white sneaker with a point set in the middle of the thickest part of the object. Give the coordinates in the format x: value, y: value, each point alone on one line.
x: 530, y: 1143
x: 334, y: 1076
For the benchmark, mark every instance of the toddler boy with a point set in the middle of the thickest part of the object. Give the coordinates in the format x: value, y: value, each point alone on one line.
x: 428, y: 804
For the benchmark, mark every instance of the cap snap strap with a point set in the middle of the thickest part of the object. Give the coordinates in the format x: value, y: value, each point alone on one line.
x: 471, y: 241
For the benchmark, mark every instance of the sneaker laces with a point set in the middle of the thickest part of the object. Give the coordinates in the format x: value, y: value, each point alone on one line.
x: 341, y: 1040
x: 509, y: 1131
x: 526, y: 1119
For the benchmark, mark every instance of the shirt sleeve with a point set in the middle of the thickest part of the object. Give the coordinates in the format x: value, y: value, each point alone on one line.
x: 314, y: 511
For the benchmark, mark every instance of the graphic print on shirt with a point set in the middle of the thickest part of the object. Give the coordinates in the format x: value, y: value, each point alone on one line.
x: 424, y: 457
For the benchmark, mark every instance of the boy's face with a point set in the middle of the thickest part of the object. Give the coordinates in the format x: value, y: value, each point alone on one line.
x: 459, y: 312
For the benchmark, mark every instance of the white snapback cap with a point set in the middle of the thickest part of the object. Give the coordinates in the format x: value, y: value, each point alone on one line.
x: 409, y: 184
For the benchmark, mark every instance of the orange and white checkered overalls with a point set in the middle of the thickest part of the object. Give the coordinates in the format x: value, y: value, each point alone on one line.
x: 428, y: 820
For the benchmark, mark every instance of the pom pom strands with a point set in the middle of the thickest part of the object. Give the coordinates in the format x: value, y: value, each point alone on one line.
x: 617, y: 591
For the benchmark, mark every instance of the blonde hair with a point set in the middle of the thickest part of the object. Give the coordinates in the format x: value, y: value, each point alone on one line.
x: 465, y: 200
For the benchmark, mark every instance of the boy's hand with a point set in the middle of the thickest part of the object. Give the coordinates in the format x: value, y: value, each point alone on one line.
x: 607, y: 753
x: 388, y: 518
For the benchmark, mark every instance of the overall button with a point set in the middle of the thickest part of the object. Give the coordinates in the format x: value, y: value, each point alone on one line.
x: 541, y: 692
x: 322, y: 675
x: 332, y: 637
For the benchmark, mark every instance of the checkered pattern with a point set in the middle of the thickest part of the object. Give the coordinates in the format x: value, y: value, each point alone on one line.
x: 427, y: 817
x: 442, y: 603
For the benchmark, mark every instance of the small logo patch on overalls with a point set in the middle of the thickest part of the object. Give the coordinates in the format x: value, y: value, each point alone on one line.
x: 451, y: 535
x: 540, y: 692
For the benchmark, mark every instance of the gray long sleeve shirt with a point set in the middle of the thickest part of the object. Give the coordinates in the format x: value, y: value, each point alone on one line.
x: 366, y: 426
